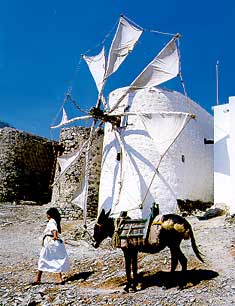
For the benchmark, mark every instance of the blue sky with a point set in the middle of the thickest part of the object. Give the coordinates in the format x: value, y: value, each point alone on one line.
x: 41, y: 43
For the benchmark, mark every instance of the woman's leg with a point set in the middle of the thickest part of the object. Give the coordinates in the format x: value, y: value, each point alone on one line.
x: 37, y: 279
x: 59, y: 278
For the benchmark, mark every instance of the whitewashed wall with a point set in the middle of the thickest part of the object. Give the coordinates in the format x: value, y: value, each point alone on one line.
x: 189, y: 179
x: 224, y: 151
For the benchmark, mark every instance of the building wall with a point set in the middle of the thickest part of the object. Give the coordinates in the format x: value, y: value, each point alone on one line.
x: 26, y: 166
x: 186, y: 172
x: 69, y: 183
x: 224, y: 167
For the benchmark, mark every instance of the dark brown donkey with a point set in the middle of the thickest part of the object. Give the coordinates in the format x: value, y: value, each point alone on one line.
x: 173, y: 229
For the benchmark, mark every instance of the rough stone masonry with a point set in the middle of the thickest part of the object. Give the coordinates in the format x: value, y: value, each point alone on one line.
x: 65, y: 188
x: 28, y: 168
x: 27, y: 164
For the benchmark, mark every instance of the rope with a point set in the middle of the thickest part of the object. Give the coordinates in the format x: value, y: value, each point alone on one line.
x: 77, y: 68
x: 156, y: 170
x: 102, y: 42
x: 148, y: 30
x: 122, y: 174
x: 159, y: 32
x: 180, y: 70
x: 69, y: 97
x: 121, y: 168
x: 61, y: 107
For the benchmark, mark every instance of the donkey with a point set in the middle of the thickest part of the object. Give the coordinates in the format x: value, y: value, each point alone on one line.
x: 173, y: 230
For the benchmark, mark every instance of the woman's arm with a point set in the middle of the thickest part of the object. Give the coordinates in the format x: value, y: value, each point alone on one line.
x: 55, y: 234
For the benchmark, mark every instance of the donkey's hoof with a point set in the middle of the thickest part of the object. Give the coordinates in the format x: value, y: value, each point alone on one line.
x: 133, y: 288
x: 126, y: 288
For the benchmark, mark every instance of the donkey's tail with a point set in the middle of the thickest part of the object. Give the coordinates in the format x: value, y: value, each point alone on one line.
x: 179, y: 224
x: 194, y: 245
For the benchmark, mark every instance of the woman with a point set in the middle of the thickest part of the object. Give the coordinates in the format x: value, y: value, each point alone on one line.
x: 53, y: 256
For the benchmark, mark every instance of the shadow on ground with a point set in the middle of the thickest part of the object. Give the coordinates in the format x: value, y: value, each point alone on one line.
x: 77, y: 276
x: 178, y: 279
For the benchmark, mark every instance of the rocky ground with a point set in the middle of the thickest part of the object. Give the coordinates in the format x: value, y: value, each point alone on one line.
x: 97, y: 276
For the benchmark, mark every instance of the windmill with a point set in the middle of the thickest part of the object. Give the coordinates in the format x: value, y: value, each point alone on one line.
x: 117, y: 116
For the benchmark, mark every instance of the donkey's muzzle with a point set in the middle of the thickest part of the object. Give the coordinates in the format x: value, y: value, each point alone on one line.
x: 95, y: 245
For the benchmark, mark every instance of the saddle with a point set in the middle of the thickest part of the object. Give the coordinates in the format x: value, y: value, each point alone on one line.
x: 137, y: 232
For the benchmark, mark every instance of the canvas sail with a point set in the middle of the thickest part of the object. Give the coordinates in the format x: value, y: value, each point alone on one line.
x: 123, y: 43
x: 63, y: 121
x: 127, y: 180
x: 164, y: 128
x: 65, y: 161
x: 80, y: 196
x: 124, y: 192
x: 128, y: 186
x: 163, y: 67
x: 96, y: 66
x: 66, y: 121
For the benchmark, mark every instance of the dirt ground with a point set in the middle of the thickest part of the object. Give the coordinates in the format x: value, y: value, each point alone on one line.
x: 97, y: 276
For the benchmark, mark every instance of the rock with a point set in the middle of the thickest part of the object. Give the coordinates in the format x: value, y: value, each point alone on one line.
x: 97, y: 276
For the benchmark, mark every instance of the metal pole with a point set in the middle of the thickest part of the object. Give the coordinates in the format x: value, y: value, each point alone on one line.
x: 217, y: 82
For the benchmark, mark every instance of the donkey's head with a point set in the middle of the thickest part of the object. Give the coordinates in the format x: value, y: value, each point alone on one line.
x: 103, y: 228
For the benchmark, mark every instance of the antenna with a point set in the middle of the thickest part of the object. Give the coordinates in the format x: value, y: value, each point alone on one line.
x: 217, y: 82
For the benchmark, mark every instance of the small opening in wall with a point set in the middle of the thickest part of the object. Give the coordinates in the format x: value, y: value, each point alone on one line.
x: 118, y: 156
x: 208, y: 141
x: 183, y: 158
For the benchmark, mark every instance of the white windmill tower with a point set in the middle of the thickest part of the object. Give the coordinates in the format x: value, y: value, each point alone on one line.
x: 128, y: 176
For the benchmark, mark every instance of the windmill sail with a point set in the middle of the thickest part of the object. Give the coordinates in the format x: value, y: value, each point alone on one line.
x: 63, y: 121
x: 163, y: 67
x: 123, y: 192
x: 123, y: 43
x: 164, y: 128
x: 66, y: 121
x: 96, y: 65
x: 67, y: 160
x: 80, y: 196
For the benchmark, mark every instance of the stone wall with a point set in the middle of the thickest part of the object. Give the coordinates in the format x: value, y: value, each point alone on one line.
x: 27, y: 164
x: 66, y: 186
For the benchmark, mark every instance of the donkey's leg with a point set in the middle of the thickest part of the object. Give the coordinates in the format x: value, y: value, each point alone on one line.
x: 174, y: 258
x: 127, y: 256
x: 177, y: 256
x: 134, y: 255
x: 182, y: 259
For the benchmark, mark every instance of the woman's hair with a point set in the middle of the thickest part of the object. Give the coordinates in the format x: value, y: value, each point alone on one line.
x: 54, y: 213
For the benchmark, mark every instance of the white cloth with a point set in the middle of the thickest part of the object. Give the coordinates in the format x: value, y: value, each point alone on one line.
x: 164, y: 127
x: 163, y: 67
x: 123, y: 43
x: 53, y: 255
x: 97, y: 65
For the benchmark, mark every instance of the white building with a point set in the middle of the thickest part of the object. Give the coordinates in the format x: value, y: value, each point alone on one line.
x: 224, y: 152
x: 185, y: 172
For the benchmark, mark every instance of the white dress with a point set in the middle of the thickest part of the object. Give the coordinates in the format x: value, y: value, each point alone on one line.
x: 53, y: 255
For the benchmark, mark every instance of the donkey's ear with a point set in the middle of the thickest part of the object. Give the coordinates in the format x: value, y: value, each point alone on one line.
x: 108, y: 213
x: 102, y: 215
